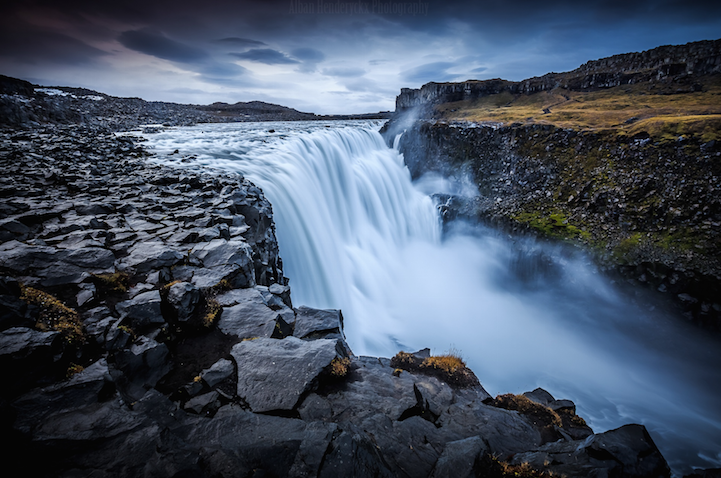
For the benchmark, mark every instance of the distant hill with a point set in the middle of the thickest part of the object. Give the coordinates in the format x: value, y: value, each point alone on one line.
x: 25, y: 104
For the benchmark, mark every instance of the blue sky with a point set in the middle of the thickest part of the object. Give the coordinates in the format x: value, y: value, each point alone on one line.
x: 324, y: 56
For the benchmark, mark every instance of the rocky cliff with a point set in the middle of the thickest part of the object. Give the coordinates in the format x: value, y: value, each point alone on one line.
x: 146, y: 329
x: 678, y: 64
x: 641, y: 193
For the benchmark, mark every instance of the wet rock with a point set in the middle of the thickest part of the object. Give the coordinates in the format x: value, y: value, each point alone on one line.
x: 84, y: 389
x: 218, y: 372
x: 26, y: 355
x: 314, y: 323
x: 207, y: 403
x: 273, y: 374
x: 143, y: 365
x: 249, y: 318
x: 142, y: 311
x: 459, y: 458
x: 117, y: 336
x: 354, y: 454
x: 625, y: 451
x: 184, y: 299
x: 13, y: 311
x: 282, y: 291
x: 224, y: 260
x: 147, y: 256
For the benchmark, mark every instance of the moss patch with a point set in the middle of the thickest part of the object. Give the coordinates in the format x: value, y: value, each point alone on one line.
x: 450, y: 368
x: 339, y: 367
x: 54, y: 315
x: 493, y: 467
x: 555, y: 224
x: 117, y: 282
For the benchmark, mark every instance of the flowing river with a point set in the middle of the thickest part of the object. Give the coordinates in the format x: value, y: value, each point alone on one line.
x: 356, y: 234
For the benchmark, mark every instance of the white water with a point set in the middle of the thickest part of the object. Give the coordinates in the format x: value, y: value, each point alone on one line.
x: 356, y: 234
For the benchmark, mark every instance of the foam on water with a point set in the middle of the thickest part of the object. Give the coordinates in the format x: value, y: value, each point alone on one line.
x: 356, y: 234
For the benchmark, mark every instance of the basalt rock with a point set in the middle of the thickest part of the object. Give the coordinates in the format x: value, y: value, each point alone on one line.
x: 131, y: 250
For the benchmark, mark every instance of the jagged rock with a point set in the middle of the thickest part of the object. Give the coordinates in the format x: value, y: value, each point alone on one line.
x: 282, y: 291
x: 208, y: 403
x: 82, y: 390
x: 13, y: 311
x: 354, y: 453
x: 238, y: 442
x: 412, y: 417
x: 86, y: 294
x: 219, y: 371
x: 249, y: 317
x: 184, y: 299
x: 117, y: 337
x: 147, y: 256
x: 273, y: 374
x: 26, y: 355
x: 459, y: 457
x: 313, y: 323
x: 224, y: 260
x: 625, y: 451
x: 54, y: 266
x: 143, y: 310
x: 572, y: 426
x: 143, y: 364
x: 193, y: 388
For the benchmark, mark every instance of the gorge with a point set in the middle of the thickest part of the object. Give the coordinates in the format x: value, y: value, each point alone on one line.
x: 147, y: 321
x: 355, y: 234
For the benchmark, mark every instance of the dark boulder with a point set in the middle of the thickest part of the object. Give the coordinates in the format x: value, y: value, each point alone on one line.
x: 626, y: 451
x: 143, y: 365
x: 142, y: 311
x: 274, y: 374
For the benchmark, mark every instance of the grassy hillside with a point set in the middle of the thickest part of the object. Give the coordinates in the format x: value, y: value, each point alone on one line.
x: 664, y: 111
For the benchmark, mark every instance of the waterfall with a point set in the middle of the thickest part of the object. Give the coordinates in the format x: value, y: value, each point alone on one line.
x: 356, y: 234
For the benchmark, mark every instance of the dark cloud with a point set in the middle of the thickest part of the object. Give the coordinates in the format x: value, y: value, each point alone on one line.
x: 514, y: 39
x: 308, y: 54
x: 436, y: 71
x: 348, y: 72
x: 26, y: 45
x: 309, y: 59
x: 265, y: 55
x: 225, y: 70
x: 157, y: 45
x: 240, y: 42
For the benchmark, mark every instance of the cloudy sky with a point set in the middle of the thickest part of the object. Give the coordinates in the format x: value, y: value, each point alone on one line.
x: 324, y: 56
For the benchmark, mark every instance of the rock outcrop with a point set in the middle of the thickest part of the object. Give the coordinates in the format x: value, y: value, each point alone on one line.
x: 678, y: 64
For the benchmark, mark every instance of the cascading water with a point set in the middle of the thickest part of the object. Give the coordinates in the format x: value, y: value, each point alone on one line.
x: 356, y: 234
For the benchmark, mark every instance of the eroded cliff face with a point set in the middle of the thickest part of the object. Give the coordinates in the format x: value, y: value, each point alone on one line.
x: 651, y: 211
x: 671, y: 64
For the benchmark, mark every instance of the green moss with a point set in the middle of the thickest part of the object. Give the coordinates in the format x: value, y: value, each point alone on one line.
x: 555, y: 225
x: 627, y: 245
x: 116, y: 282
